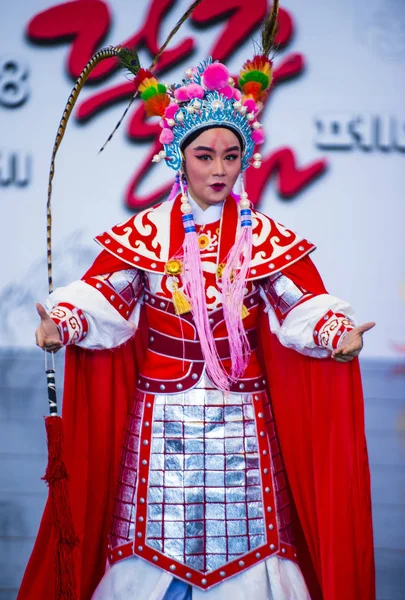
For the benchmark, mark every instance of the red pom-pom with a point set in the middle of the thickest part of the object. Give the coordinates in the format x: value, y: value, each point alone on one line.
x: 215, y: 76
x: 141, y: 75
x: 156, y: 105
x: 252, y: 88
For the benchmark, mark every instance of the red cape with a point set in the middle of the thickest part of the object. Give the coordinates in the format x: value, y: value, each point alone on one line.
x: 318, y: 409
x: 319, y: 415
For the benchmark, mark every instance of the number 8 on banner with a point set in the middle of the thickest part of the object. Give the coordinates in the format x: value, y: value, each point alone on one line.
x: 14, y: 88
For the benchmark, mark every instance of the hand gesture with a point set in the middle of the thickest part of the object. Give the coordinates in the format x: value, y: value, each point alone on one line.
x: 352, y: 343
x: 47, y: 335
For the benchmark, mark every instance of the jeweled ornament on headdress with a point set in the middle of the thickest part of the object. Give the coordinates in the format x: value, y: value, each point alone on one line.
x: 208, y: 97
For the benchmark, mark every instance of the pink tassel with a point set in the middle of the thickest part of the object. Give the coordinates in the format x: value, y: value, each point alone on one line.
x: 193, y: 279
x: 233, y: 294
x: 175, y: 188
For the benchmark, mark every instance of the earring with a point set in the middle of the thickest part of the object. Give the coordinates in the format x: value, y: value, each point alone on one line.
x: 244, y: 200
x: 185, y: 204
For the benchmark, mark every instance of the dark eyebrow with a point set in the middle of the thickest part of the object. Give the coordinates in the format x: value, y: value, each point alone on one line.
x: 208, y: 149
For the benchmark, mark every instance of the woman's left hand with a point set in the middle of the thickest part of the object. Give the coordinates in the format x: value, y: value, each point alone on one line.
x: 352, y: 343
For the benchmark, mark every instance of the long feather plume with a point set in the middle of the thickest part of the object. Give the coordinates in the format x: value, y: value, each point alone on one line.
x: 128, y: 59
x: 269, y: 30
x: 174, y: 31
x: 153, y: 64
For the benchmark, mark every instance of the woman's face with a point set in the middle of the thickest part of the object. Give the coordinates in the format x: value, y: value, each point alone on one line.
x: 212, y: 165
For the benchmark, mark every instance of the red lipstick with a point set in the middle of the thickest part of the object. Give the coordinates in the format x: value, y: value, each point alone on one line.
x: 217, y: 187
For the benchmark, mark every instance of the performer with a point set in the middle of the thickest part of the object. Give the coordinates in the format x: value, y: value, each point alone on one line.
x: 241, y: 470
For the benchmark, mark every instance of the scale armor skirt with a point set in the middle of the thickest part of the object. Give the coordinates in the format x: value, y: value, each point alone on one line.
x: 202, y: 492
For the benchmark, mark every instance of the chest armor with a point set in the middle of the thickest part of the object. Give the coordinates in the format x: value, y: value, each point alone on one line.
x: 151, y: 241
x: 174, y: 360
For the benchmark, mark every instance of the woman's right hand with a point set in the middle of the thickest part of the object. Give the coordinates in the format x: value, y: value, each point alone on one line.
x: 47, y: 335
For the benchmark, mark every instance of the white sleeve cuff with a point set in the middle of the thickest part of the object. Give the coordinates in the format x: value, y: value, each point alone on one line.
x: 106, y: 327
x: 297, y: 331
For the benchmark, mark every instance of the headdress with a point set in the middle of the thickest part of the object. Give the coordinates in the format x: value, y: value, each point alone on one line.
x: 207, y: 97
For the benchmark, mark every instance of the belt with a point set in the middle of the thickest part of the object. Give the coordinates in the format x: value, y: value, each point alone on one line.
x: 190, y: 350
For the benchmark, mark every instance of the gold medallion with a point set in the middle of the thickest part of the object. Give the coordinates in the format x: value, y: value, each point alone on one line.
x: 203, y: 241
x: 173, y: 267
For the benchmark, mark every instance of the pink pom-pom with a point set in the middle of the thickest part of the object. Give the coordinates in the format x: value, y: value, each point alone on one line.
x: 236, y: 94
x: 194, y: 90
x: 181, y: 94
x: 215, y: 76
x: 258, y: 136
x: 250, y: 105
x: 171, y: 110
x: 166, y: 137
x: 227, y: 91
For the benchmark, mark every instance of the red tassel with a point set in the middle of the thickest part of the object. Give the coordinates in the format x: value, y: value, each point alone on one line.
x: 57, y: 480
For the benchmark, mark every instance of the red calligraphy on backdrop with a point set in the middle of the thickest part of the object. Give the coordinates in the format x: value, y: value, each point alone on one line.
x: 86, y: 23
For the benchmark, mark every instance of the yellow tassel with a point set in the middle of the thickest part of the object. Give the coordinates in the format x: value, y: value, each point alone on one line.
x: 245, y: 311
x: 181, y: 304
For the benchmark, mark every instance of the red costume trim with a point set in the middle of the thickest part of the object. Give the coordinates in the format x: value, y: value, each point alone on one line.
x: 138, y: 241
x: 330, y: 329
x: 71, y: 321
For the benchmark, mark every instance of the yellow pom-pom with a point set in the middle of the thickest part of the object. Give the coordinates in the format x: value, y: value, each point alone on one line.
x: 147, y: 83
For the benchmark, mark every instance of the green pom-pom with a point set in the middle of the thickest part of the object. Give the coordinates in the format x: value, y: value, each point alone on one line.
x: 255, y: 76
x: 149, y: 93
x: 153, y: 91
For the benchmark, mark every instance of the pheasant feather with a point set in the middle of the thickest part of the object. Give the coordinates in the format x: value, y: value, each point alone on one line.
x: 153, y: 63
x: 269, y: 30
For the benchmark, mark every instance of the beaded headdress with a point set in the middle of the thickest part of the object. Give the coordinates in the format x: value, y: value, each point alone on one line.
x: 208, y: 97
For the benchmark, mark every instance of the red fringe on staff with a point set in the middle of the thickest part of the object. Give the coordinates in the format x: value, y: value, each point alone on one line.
x: 57, y: 480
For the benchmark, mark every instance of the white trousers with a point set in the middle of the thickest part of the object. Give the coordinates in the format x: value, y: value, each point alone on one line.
x: 135, y: 579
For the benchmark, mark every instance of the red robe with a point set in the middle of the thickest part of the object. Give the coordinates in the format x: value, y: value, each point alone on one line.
x: 318, y: 409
